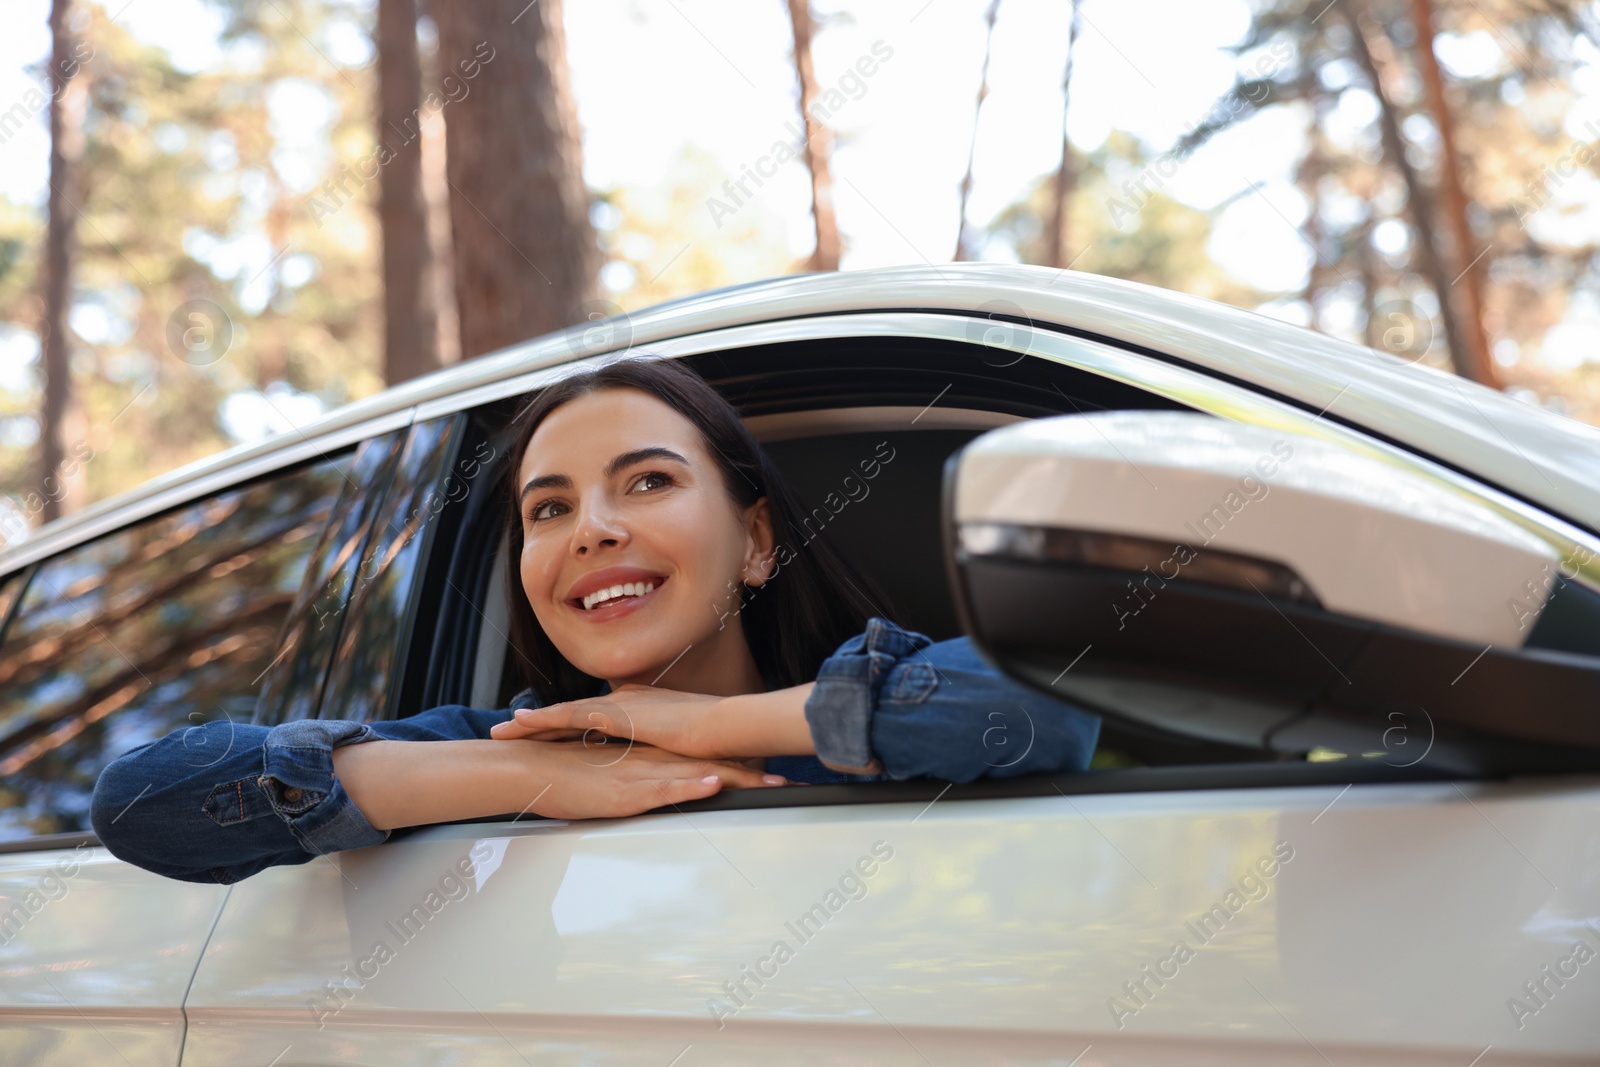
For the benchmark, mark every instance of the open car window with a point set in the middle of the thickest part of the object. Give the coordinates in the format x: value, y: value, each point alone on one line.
x: 819, y: 406
x: 828, y: 414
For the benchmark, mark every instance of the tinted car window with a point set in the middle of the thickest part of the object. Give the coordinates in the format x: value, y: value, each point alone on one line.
x: 128, y: 637
x: 367, y: 668
x: 345, y: 560
x: 10, y: 586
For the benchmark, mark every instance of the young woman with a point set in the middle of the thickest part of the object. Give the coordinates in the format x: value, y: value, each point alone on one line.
x: 678, y: 637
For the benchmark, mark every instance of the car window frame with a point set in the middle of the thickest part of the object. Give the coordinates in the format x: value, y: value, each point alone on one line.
x: 23, y: 576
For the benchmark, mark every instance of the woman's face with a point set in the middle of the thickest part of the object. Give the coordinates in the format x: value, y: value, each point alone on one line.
x: 618, y: 489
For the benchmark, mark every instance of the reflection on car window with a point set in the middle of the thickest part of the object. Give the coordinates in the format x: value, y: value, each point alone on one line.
x: 292, y: 688
x: 122, y: 640
x: 366, y: 669
x: 10, y: 586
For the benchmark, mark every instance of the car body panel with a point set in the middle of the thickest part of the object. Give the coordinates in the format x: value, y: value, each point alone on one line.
x: 1402, y: 920
x: 100, y: 965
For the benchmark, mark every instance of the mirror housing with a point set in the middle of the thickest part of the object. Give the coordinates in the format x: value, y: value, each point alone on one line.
x: 1243, y: 585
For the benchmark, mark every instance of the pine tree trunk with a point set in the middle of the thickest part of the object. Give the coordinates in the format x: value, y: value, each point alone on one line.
x: 408, y: 307
x: 68, y: 99
x: 964, y: 249
x: 1465, y: 290
x: 1368, y: 260
x: 442, y: 277
x: 1371, y: 52
x: 1066, y: 174
x: 819, y: 143
x: 1309, y: 176
x: 526, y: 260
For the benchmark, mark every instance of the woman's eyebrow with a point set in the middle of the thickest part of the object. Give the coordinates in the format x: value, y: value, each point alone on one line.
x: 618, y: 463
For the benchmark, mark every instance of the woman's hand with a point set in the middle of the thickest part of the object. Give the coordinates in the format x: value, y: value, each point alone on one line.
x: 410, y: 783
x: 590, y: 782
x: 689, y: 724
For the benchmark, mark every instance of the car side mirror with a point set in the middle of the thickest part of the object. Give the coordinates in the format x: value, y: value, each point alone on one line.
x: 1240, y: 584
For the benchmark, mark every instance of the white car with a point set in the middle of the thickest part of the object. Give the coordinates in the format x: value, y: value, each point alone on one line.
x: 1342, y: 616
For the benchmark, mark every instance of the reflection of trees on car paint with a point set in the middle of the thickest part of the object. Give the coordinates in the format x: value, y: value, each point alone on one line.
x: 50, y: 887
x: 851, y: 885
x: 129, y: 637
x: 1254, y: 885
x: 404, y: 927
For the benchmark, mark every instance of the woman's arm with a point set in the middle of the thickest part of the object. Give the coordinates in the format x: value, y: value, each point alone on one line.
x: 399, y: 783
x: 888, y: 701
x: 695, y: 724
x: 220, y: 802
x: 892, y: 700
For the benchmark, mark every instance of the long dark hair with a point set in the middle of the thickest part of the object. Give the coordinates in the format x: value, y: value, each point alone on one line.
x: 812, y: 604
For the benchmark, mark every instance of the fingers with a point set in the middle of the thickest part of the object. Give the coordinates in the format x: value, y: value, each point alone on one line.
x: 679, y: 790
x: 579, y: 717
x: 738, y: 776
x: 557, y: 716
x: 511, y: 730
x: 734, y: 775
x: 652, y: 779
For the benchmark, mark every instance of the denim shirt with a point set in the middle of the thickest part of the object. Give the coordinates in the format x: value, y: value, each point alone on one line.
x: 223, y: 801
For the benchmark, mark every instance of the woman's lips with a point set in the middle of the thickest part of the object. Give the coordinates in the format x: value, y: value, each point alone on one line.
x: 617, y: 610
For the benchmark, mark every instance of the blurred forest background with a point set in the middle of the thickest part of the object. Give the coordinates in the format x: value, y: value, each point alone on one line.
x: 221, y: 218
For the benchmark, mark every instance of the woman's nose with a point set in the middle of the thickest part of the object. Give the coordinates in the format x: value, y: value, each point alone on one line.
x: 598, y: 524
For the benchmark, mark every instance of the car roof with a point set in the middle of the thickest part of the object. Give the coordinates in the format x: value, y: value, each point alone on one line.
x: 1529, y: 452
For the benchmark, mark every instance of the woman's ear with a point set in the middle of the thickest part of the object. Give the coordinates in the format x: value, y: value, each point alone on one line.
x: 758, y: 559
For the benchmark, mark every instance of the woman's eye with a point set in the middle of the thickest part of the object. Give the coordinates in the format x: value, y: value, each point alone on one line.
x: 646, y: 479
x: 542, y: 510
x: 550, y: 509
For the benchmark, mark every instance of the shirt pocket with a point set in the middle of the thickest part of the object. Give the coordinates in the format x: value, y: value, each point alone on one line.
x: 912, y: 682
x: 236, y: 802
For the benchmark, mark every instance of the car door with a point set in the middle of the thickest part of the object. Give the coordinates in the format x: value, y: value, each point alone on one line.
x: 1381, y: 913
x: 1260, y: 587
x: 164, y: 623
x: 345, y: 655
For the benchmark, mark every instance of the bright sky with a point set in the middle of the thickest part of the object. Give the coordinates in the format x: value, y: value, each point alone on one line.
x: 652, y: 75
x: 716, y: 73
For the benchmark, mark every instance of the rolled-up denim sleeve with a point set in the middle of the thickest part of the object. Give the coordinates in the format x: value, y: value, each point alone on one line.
x: 222, y: 801
x: 892, y: 701
x: 304, y: 792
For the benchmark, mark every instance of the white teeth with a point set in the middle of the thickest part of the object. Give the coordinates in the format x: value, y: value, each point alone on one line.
x: 625, y: 589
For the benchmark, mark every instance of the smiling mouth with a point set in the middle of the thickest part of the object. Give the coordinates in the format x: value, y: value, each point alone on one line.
x: 620, y: 593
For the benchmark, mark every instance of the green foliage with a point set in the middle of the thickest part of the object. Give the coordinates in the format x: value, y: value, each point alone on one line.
x: 677, y: 245
x: 1142, y: 236
x: 188, y: 193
